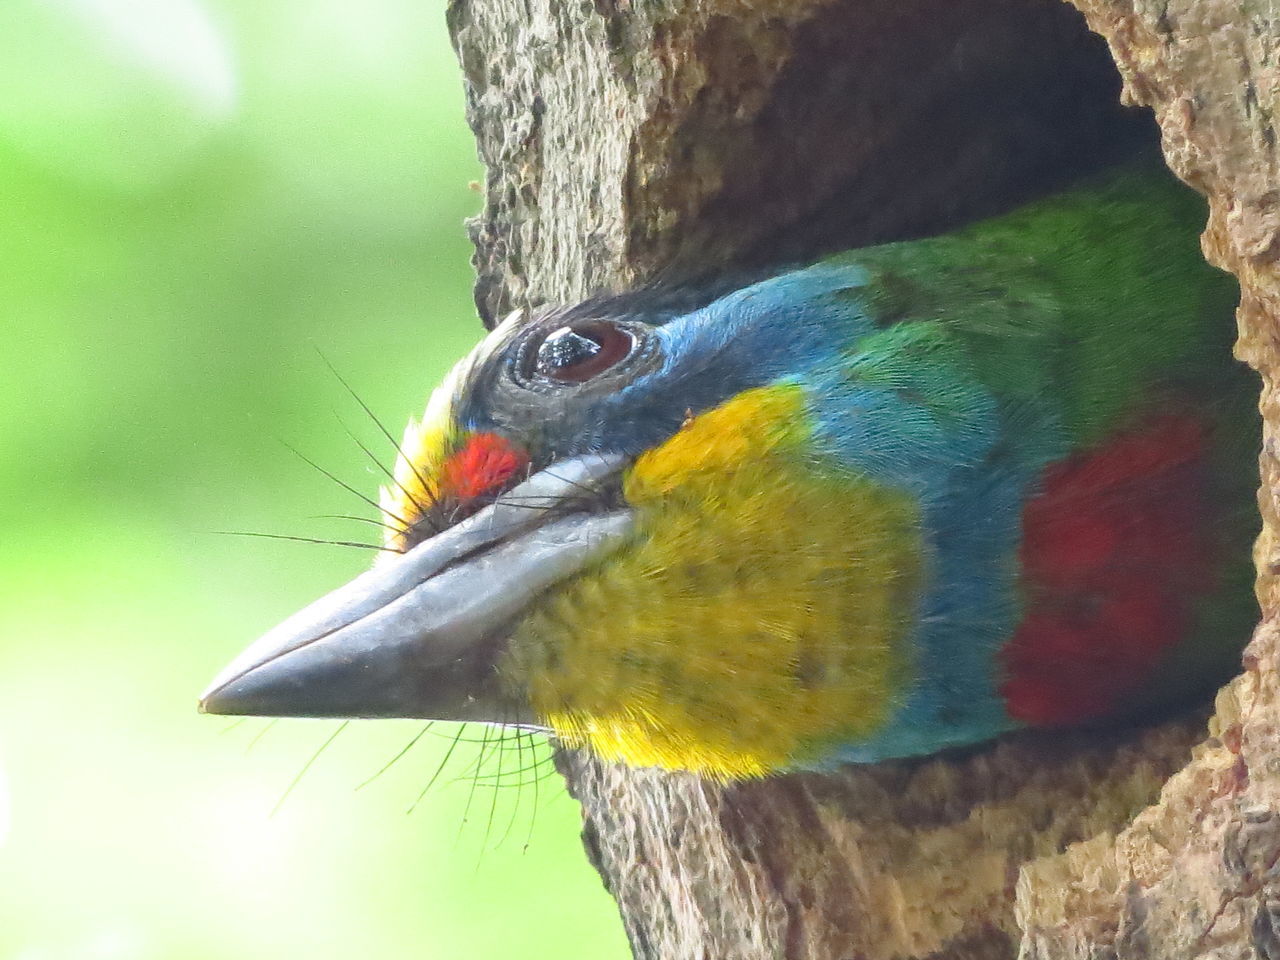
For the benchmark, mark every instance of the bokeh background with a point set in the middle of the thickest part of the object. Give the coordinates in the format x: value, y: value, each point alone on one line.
x: 199, y: 199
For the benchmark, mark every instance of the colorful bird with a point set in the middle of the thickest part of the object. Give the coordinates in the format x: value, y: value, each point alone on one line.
x: 905, y: 499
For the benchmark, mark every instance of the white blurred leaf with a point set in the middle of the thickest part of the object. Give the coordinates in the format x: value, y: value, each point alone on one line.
x: 114, y: 92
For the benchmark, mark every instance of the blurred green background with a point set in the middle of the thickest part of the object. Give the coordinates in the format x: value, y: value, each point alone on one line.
x: 197, y: 199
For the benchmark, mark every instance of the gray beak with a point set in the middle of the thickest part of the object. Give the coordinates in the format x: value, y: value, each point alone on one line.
x: 420, y: 634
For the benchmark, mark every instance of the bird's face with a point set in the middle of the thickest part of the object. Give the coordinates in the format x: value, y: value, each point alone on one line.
x: 619, y: 525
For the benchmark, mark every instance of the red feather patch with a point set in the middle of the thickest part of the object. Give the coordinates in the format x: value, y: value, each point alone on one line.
x: 1115, y: 552
x: 484, y: 465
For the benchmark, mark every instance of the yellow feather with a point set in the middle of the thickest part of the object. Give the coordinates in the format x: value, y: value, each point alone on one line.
x: 424, y: 448
x: 758, y: 615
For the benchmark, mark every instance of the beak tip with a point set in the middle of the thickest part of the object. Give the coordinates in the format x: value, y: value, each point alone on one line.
x: 209, y: 701
x: 250, y: 694
x: 236, y: 692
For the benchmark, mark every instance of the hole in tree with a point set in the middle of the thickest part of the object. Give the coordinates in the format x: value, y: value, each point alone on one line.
x: 887, y: 121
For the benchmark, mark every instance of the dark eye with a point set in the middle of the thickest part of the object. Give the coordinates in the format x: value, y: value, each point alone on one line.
x: 576, y: 354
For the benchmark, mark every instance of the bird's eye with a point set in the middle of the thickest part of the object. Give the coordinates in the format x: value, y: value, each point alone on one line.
x: 576, y: 354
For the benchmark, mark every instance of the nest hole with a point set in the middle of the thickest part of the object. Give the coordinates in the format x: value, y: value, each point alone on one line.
x: 870, y: 122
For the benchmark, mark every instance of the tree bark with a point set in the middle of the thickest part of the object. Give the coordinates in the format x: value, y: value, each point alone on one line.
x: 629, y: 141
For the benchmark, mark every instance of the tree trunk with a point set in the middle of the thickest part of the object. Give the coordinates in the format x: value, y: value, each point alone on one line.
x: 682, y: 140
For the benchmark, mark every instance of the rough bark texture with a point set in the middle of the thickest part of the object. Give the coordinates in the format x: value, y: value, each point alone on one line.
x: 633, y: 140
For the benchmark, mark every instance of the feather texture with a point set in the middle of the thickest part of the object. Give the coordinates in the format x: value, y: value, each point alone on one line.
x: 905, y: 499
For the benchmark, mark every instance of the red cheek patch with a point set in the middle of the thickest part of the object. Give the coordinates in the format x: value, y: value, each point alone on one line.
x: 484, y: 465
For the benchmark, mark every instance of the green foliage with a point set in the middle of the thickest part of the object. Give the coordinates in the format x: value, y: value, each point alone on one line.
x: 195, y: 200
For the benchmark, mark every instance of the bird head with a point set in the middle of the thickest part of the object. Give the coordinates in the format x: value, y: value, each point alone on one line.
x: 620, y: 521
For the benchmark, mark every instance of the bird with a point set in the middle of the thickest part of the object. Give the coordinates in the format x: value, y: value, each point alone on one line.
x: 905, y: 499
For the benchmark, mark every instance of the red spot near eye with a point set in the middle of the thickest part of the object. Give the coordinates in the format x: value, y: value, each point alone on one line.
x: 485, y: 464
x: 1116, y: 550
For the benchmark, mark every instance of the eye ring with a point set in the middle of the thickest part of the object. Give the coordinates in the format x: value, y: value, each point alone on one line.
x: 579, y: 352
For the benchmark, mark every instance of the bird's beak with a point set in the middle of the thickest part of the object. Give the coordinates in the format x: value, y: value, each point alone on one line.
x: 420, y: 635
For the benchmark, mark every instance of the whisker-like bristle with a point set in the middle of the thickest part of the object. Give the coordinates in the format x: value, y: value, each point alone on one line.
x: 439, y: 769
x: 348, y: 516
x: 515, y: 807
x: 426, y: 487
x: 466, y: 810
x: 533, y: 815
x: 307, y: 766
x: 373, y: 458
x: 285, y: 536
x: 594, y: 491
x: 346, y: 486
x: 537, y: 765
x: 260, y: 734
x: 493, y: 805
x: 519, y: 785
x: 390, y: 763
x: 510, y: 502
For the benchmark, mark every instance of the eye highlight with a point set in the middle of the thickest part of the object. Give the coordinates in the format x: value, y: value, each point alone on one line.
x: 575, y: 354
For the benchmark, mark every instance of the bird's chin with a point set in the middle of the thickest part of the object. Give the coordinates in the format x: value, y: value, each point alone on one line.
x: 421, y: 635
